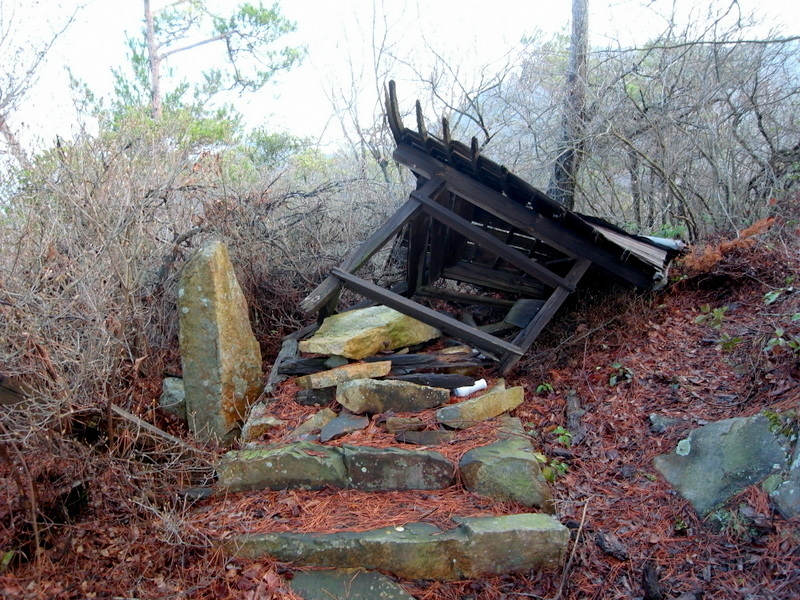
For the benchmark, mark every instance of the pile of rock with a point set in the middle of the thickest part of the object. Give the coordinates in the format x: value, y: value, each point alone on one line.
x: 222, y: 378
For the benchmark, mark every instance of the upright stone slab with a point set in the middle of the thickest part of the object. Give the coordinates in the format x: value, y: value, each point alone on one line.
x: 357, y: 334
x: 221, y: 358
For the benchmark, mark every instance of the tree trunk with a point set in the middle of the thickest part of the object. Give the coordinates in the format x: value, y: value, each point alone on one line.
x: 155, y: 63
x: 14, y: 147
x: 565, y: 170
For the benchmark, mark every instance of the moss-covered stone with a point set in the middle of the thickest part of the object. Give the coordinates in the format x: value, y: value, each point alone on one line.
x: 506, y: 470
x: 360, y: 333
x: 221, y: 358
x: 719, y: 460
x: 382, y: 469
x: 475, y: 410
x: 477, y: 547
x: 333, y: 377
x: 298, y: 465
x: 373, y: 396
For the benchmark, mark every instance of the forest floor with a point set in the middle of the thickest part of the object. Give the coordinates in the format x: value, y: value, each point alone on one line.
x: 716, y: 343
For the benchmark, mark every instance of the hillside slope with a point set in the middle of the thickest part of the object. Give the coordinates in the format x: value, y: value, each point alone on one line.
x: 717, y: 343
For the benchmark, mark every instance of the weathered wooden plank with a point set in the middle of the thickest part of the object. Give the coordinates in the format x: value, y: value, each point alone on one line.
x: 551, y: 230
x: 448, y: 381
x: 329, y: 288
x: 505, y: 281
x: 527, y: 336
x: 447, y: 324
x: 428, y: 362
x: 487, y: 240
x: 417, y: 249
x: 464, y: 298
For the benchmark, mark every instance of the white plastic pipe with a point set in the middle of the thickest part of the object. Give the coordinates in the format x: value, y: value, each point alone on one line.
x: 469, y: 389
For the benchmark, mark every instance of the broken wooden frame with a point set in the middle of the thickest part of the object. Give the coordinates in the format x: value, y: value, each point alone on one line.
x: 473, y: 222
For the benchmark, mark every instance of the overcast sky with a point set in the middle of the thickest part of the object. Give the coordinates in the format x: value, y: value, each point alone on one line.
x: 338, y: 33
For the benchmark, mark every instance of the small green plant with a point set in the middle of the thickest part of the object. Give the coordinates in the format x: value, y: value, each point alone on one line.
x: 773, y: 295
x: 711, y: 316
x: 563, y: 435
x: 6, y: 559
x: 784, y: 423
x: 544, y: 388
x: 780, y: 339
x: 679, y: 526
x: 728, y: 343
x: 551, y: 468
x: 620, y: 375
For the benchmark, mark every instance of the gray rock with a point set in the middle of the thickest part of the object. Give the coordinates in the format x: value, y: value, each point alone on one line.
x: 371, y: 396
x: 297, y: 465
x: 787, y: 494
x: 221, y: 358
x: 173, y: 397
x: 426, y: 438
x: 259, y: 422
x: 348, y: 372
x: 357, y: 334
x: 477, y: 547
x: 346, y: 584
x: 506, y: 470
x: 660, y: 423
x: 384, y: 469
x: 315, y: 397
x: 341, y: 426
x: 336, y: 361
x: 719, y: 460
x: 398, y: 424
x: 313, y: 424
x: 492, y: 404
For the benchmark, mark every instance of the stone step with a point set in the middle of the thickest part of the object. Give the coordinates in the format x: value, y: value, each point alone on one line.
x: 505, y: 470
x: 476, y: 547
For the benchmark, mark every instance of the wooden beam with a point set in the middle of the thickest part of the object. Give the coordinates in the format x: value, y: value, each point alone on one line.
x: 464, y: 298
x: 329, y: 288
x: 527, y: 336
x: 487, y: 240
x: 447, y: 324
x: 483, y: 276
x: 548, y: 229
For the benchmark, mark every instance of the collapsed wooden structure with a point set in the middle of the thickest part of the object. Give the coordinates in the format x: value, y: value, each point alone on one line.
x: 472, y: 223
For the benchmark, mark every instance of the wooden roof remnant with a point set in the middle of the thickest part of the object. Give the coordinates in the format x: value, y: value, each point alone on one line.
x: 477, y: 235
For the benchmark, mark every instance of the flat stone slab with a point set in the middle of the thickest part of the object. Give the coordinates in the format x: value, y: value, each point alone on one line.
x: 365, y: 332
x: 426, y: 438
x: 313, y: 424
x: 398, y: 424
x: 333, y: 377
x: 506, y: 470
x: 341, y: 426
x: 315, y: 466
x: 346, y: 584
x: 477, y: 547
x: 259, y: 422
x: 373, y: 397
x: 482, y: 408
x: 297, y: 465
x: 719, y: 460
x: 319, y: 397
x: 383, y: 469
